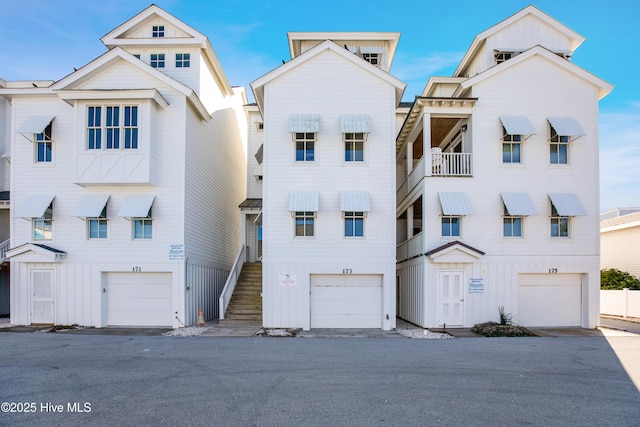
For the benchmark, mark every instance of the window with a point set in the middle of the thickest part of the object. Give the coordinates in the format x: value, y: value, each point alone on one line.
x: 353, y: 147
x: 114, y: 115
x: 43, y: 226
x: 304, y: 222
x: 143, y: 227
x: 558, y: 148
x: 157, y: 60
x: 305, y: 142
x: 559, y: 224
x: 451, y: 226
x: 157, y: 31
x: 373, y: 58
x: 183, y: 60
x: 44, y: 146
x: 354, y: 224
x: 511, y: 225
x: 502, y: 56
x: 97, y: 227
x: 510, y: 147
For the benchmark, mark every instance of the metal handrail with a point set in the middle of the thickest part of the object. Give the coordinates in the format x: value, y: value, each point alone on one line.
x: 232, y: 280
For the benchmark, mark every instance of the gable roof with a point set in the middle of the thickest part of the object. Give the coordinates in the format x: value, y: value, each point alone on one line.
x: 118, y: 37
x: 257, y: 86
x: 67, y: 87
x: 576, y: 39
x: 603, y: 87
x: 37, y: 252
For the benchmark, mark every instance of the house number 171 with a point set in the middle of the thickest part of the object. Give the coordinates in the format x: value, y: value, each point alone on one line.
x: 137, y: 269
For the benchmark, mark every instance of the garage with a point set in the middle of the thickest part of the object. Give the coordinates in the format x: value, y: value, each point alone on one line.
x: 346, y: 301
x: 139, y: 299
x: 549, y: 300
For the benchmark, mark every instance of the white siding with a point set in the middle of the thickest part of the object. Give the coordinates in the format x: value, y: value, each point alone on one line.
x: 620, y: 249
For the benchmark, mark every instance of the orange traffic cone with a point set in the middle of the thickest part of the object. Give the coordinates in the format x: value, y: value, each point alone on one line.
x: 200, y: 317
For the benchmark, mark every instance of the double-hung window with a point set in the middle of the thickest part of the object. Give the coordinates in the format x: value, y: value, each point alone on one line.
x: 43, y: 226
x: 558, y: 148
x: 510, y: 147
x: 559, y: 223
x: 305, y: 146
x: 511, y: 225
x: 44, y: 146
x: 97, y: 227
x: 143, y: 227
x: 353, y: 146
x: 354, y: 224
x: 183, y: 60
x: 451, y: 225
x: 304, y: 224
x: 157, y: 60
x: 114, y: 124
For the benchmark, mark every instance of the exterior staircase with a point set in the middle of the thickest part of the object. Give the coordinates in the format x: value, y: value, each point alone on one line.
x: 246, y: 301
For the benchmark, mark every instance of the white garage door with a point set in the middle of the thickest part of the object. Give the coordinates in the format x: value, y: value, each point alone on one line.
x: 139, y: 299
x: 549, y: 300
x: 346, y: 301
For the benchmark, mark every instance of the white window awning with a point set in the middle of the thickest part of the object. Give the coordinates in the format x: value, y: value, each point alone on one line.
x: 35, y: 124
x: 259, y: 154
x: 455, y: 204
x: 517, y: 125
x: 355, y: 123
x: 304, y: 123
x: 566, y: 126
x: 567, y: 204
x: 137, y: 206
x: 518, y: 204
x: 355, y: 201
x: 34, y: 206
x: 371, y: 49
x: 304, y: 201
x: 90, y: 206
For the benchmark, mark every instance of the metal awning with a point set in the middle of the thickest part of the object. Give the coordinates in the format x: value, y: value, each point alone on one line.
x: 518, y: 204
x: 90, y: 206
x: 258, y: 170
x: 517, y: 125
x: 304, y: 123
x: 567, y: 204
x: 566, y: 126
x: 259, y: 154
x: 137, y: 206
x: 355, y: 123
x: 355, y: 201
x: 304, y: 201
x: 35, y: 124
x: 455, y: 204
x: 34, y: 206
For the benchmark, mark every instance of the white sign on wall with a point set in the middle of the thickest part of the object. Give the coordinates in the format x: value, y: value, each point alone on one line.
x: 476, y: 285
x: 288, y: 279
x: 176, y: 252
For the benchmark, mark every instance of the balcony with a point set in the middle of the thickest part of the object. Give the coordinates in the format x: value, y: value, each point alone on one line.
x: 410, y: 248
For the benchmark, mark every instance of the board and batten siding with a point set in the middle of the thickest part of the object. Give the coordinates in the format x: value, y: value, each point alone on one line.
x: 327, y: 85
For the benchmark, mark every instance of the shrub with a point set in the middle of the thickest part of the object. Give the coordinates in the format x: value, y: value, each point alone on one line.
x: 611, y: 278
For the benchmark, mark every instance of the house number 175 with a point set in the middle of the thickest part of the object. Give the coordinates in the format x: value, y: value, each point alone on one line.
x: 347, y: 271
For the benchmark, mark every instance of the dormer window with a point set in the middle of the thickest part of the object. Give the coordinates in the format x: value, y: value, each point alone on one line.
x: 157, y: 31
x: 157, y: 60
x: 503, y: 55
x: 373, y: 58
x: 183, y: 60
x: 372, y: 54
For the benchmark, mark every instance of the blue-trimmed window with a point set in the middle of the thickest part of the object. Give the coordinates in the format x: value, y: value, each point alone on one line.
x: 354, y: 224
x: 183, y: 60
x: 451, y: 226
x: 114, y: 123
x: 130, y: 127
x: 94, y: 129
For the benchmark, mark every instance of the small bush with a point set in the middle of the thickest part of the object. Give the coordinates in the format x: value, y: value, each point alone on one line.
x: 493, y: 329
x: 614, y: 279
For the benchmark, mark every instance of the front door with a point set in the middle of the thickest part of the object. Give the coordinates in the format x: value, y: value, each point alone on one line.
x: 42, y: 297
x: 451, y: 298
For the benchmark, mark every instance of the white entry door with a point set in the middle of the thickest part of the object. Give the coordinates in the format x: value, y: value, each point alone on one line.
x: 42, y: 297
x: 451, y: 298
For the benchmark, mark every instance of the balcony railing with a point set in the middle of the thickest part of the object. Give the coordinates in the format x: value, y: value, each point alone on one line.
x: 410, y: 248
x: 451, y: 164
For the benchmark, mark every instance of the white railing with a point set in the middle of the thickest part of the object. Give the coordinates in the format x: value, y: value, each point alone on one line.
x: 410, y: 248
x: 232, y: 280
x: 4, y: 247
x: 451, y: 164
x: 625, y: 303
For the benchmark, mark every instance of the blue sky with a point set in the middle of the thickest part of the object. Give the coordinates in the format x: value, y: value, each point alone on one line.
x: 45, y: 39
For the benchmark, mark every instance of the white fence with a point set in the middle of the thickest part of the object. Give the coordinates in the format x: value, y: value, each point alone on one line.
x: 625, y: 303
